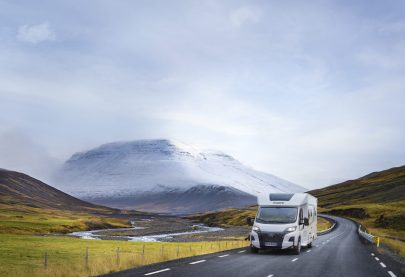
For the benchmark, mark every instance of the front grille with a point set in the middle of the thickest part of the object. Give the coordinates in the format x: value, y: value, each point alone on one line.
x: 275, y: 239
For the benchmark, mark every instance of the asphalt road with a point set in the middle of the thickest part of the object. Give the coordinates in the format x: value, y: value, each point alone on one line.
x: 338, y: 253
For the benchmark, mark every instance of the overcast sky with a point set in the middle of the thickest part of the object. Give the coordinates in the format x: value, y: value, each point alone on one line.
x: 311, y: 91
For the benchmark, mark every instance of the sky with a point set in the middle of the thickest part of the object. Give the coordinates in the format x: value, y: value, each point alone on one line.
x: 311, y: 91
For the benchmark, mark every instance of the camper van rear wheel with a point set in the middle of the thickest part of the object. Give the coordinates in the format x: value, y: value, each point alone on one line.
x: 297, y: 249
x: 309, y: 245
x: 254, y: 249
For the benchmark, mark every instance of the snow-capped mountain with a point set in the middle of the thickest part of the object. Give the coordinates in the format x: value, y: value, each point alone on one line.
x: 147, y: 174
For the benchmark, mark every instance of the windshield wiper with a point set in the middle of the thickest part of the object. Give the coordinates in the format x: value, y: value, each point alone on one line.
x: 262, y: 221
x: 269, y: 222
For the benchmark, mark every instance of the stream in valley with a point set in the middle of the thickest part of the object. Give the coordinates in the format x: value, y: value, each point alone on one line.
x: 130, y: 234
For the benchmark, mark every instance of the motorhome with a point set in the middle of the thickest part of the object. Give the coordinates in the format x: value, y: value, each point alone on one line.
x: 284, y: 221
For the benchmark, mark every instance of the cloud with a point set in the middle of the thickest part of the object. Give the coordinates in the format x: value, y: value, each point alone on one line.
x: 35, y: 33
x: 19, y: 153
x: 392, y: 27
x: 244, y: 15
x: 392, y: 59
x: 312, y: 92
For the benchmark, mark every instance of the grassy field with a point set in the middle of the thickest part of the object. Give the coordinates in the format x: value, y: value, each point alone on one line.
x: 23, y: 255
x: 24, y: 241
x: 28, y: 220
x: 384, y: 220
x: 323, y: 224
x: 30, y: 210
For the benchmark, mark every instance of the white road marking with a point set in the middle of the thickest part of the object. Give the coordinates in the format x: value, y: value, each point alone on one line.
x: 383, y: 265
x: 377, y: 259
x: 197, y: 262
x: 223, y: 256
x: 308, y: 250
x: 242, y: 251
x: 372, y: 254
x: 294, y: 259
x: 271, y: 275
x: 155, y: 272
x: 392, y: 274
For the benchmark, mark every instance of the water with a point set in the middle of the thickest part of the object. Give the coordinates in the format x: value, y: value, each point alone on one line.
x: 154, y: 238
x: 100, y: 234
x: 94, y: 234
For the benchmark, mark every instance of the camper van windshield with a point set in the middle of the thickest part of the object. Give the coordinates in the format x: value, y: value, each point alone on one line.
x: 277, y: 215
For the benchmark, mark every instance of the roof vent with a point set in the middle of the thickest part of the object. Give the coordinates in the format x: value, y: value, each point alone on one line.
x: 281, y: 196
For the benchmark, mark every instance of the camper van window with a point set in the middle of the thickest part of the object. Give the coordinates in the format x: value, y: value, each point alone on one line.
x: 311, y: 215
x: 277, y: 215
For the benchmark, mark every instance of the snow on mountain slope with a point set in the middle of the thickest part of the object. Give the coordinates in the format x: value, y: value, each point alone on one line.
x: 155, y: 165
x: 139, y: 169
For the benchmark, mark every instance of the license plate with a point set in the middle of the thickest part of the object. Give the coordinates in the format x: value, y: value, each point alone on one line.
x: 270, y: 244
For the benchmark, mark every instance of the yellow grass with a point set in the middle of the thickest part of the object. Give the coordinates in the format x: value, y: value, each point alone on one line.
x: 323, y: 224
x: 28, y: 220
x: 396, y: 245
x: 24, y: 255
x: 388, y: 236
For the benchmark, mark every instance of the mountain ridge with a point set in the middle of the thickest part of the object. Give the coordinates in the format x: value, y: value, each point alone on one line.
x: 376, y: 187
x: 20, y: 189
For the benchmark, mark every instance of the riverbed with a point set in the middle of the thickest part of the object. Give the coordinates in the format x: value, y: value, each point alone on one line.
x: 164, y: 229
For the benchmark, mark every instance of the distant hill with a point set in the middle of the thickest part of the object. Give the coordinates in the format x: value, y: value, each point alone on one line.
x: 29, y: 206
x: 200, y: 198
x: 377, y: 187
x: 18, y: 190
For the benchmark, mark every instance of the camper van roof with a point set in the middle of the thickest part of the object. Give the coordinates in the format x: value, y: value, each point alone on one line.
x: 285, y: 199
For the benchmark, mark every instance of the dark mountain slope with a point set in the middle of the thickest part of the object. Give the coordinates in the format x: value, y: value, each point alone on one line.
x: 376, y: 201
x: 18, y: 189
x: 29, y: 206
x: 377, y: 187
x: 200, y: 198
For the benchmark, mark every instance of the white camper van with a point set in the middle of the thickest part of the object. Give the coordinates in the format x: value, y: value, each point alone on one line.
x: 284, y: 221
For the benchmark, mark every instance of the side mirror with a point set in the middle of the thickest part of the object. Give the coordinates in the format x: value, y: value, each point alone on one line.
x: 249, y: 221
x: 306, y: 221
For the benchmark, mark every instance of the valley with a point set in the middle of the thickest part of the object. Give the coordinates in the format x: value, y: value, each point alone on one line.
x: 46, y: 232
x: 166, y: 229
x: 40, y: 230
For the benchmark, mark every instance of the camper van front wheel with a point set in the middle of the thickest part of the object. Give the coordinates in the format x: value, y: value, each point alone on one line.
x: 254, y: 249
x: 297, y: 249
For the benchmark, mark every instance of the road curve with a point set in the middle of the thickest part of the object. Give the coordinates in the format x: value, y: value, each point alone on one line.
x: 338, y: 253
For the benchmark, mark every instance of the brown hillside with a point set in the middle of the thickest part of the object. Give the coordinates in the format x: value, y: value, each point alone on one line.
x: 378, y: 187
x: 18, y: 189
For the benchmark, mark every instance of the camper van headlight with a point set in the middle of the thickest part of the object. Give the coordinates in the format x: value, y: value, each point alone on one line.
x: 256, y: 229
x: 291, y: 229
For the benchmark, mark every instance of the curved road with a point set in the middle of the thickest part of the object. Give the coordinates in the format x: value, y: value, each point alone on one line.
x: 338, y: 253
